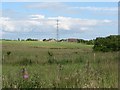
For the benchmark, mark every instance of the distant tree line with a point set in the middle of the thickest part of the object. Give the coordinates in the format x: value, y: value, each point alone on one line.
x: 104, y: 44
x: 29, y: 39
x: 110, y: 43
x: 88, y: 42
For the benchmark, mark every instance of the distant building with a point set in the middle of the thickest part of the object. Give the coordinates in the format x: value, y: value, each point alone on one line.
x: 51, y: 40
x: 72, y: 40
x: 63, y: 40
x: 40, y: 40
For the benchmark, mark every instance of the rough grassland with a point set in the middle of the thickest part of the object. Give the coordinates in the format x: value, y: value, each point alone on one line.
x: 61, y: 64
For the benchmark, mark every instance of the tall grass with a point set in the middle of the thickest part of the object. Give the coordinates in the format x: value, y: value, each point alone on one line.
x: 58, y: 67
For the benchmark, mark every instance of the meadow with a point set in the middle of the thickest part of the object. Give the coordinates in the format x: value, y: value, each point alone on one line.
x: 57, y: 65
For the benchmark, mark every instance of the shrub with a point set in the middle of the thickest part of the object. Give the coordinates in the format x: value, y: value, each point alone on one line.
x: 8, y: 53
x: 110, y: 43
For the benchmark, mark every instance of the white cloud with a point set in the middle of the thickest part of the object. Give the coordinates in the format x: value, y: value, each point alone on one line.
x: 6, y: 24
x: 9, y: 25
x: 58, y: 6
x: 84, y: 28
x: 69, y: 23
x: 107, y: 21
x: 62, y: 8
x: 96, y: 8
x: 44, y: 5
x: 46, y: 24
x: 37, y: 17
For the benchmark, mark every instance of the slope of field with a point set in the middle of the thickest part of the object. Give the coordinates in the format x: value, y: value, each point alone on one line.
x: 40, y: 44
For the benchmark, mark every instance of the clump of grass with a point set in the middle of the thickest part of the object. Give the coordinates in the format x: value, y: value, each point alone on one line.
x: 51, y: 59
x: 8, y: 53
x: 50, y: 54
x: 26, y: 61
x: 79, y: 60
x: 64, y: 61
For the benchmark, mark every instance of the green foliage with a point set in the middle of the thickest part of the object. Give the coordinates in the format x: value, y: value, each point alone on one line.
x: 51, y: 59
x: 110, y: 43
x: 64, y: 61
x: 25, y: 61
x: 8, y: 53
x: 88, y: 42
x: 50, y: 54
x: 29, y: 39
x: 79, y: 60
x: 59, y: 67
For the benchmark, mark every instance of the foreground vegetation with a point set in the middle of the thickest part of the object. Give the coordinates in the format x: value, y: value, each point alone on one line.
x: 54, y: 65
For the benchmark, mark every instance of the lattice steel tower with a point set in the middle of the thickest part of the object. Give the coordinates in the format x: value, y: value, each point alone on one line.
x: 57, y: 30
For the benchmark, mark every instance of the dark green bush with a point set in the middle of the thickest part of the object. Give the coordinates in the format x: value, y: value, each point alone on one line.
x: 110, y: 43
x: 8, y: 53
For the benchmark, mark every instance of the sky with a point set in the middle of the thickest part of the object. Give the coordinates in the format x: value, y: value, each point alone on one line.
x: 38, y: 20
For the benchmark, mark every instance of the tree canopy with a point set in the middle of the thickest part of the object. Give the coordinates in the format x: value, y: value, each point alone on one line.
x: 110, y: 43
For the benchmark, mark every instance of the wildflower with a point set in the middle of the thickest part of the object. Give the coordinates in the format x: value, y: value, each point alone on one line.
x: 15, y: 86
x: 25, y: 73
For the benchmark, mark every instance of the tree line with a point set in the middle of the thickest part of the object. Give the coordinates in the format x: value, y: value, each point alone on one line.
x: 109, y: 43
x: 104, y: 44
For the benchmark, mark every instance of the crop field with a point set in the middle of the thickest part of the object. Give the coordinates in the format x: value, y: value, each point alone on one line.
x: 57, y: 65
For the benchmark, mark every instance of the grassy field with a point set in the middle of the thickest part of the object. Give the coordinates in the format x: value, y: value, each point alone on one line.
x: 57, y: 65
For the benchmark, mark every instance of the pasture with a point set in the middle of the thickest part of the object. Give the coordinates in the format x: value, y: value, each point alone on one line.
x: 57, y: 65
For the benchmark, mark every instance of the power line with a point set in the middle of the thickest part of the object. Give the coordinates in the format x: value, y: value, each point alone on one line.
x: 57, y: 30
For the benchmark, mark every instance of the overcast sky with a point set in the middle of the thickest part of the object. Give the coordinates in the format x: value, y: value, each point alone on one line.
x: 86, y: 20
